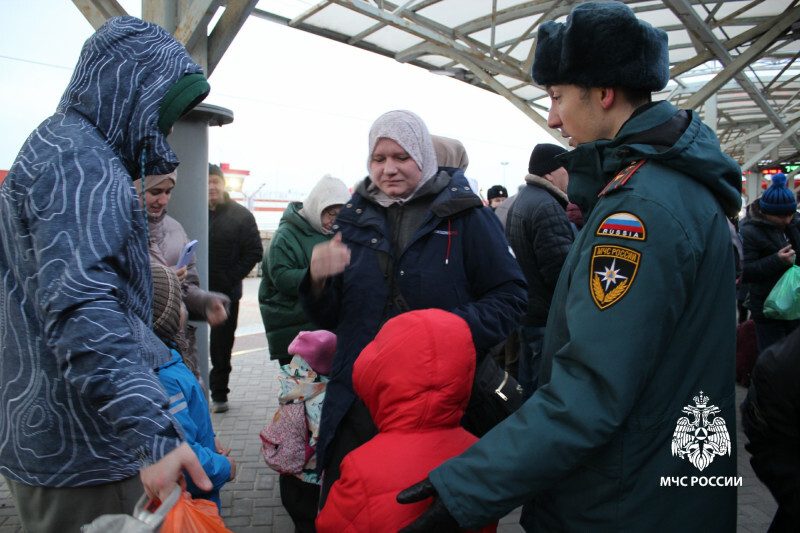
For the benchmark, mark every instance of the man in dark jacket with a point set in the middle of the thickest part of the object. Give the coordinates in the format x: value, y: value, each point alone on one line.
x: 771, y: 420
x: 497, y: 195
x: 770, y: 240
x: 541, y: 235
x: 234, y: 247
x: 642, y: 321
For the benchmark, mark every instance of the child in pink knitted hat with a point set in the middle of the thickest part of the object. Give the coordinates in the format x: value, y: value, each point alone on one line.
x: 289, y: 442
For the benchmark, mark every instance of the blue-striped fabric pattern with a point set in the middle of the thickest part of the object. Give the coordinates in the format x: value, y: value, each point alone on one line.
x: 80, y: 402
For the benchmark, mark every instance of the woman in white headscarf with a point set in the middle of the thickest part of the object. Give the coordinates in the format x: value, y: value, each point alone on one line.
x: 302, y: 226
x: 413, y: 236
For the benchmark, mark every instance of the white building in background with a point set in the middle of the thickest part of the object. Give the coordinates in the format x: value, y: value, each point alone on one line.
x: 267, y: 212
x: 267, y: 206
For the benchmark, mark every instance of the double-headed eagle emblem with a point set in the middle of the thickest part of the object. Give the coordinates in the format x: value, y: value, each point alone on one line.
x: 699, y: 439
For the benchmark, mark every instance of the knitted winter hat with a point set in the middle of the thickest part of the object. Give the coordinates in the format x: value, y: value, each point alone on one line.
x: 543, y: 159
x: 317, y: 348
x: 166, y: 302
x: 215, y: 170
x: 778, y: 199
x: 602, y: 44
x: 496, y: 191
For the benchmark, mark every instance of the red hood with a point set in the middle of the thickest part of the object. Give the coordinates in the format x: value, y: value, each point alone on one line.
x: 417, y: 374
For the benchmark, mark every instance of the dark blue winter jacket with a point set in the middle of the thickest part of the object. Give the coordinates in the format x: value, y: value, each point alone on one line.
x: 457, y: 260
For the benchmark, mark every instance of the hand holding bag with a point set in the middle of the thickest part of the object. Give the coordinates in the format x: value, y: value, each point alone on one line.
x: 783, y: 302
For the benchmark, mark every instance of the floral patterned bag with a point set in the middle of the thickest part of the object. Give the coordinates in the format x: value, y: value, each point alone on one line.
x: 284, y: 442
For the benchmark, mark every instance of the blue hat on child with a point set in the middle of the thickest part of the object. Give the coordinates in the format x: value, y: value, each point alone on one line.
x: 778, y: 200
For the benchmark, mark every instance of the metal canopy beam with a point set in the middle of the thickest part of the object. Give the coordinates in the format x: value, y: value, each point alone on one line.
x: 194, y: 20
x: 734, y: 67
x: 226, y: 29
x: 790, y: 130
x: 746, y: 52
x: 99, y: 11
x: 187, y: 21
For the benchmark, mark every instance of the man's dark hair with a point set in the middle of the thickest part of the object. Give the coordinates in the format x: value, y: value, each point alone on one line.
x: 635, y: 97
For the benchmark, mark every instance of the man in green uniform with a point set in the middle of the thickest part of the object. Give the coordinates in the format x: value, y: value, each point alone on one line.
x: 633, y: 428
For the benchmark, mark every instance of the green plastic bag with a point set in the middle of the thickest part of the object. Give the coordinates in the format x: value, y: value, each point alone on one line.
x: 783, y: 302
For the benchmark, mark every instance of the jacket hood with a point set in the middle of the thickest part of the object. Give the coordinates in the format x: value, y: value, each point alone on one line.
x: 417, y: 373
x: 327, y: 192
x: 659, y: 132
x: 124, y: 72
x: 291, y: 215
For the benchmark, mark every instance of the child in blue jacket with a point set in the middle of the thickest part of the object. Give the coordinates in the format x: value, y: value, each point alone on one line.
x: 187, y: 400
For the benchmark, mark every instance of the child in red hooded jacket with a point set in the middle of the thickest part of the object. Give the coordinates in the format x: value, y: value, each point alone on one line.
x: 415, y: 378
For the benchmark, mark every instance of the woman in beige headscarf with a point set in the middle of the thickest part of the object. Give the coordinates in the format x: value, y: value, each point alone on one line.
x: 167, y: 241
x: 450, y: 152
x: 413, y: 236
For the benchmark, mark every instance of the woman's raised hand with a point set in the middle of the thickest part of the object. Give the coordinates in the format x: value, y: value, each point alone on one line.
x: 328, y: 259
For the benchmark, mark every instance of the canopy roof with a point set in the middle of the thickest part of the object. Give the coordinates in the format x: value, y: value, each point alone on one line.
x: 734, y: 61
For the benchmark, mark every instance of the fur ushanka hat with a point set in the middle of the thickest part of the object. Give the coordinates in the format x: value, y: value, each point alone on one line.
x: 602, y: 44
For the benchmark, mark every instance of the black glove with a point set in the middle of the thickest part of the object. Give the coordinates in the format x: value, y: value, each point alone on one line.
x: 436, y: 518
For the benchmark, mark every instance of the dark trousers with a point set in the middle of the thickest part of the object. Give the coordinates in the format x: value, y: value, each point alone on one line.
x: 51, y: 510
x: 355, y: 429
x: 220, y: 345
x: 769, y: 331
x: 531, y: 340
x: 301, y: 500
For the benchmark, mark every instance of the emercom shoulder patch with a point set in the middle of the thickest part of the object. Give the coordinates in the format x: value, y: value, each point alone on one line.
x: 623, y: 176
x: 612, y: 272
x: 624, y: 225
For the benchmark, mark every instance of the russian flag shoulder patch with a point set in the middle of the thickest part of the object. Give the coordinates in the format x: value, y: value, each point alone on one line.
x: 623, y: 225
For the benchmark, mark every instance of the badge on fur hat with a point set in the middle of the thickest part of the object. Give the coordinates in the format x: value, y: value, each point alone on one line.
x: 625, y: 225
x: 612, y: 272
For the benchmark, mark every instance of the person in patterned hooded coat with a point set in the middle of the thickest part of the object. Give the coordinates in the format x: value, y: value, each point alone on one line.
x: 83, y: 412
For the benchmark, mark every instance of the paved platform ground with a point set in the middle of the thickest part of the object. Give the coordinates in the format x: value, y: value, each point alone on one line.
x: 251, y: 503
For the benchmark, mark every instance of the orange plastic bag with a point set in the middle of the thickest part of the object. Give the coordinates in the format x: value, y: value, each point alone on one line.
x: 193, y: 516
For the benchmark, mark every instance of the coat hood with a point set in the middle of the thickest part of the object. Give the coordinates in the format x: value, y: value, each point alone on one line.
x: 417, y: 373
x: 327, y: 192
x: 119, y: 85
x: 659, y: 132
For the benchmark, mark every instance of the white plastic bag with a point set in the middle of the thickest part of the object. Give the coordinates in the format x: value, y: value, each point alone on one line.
x: 146, y: 517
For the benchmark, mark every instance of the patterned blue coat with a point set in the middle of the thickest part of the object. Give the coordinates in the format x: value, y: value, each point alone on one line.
x: 81, y: 405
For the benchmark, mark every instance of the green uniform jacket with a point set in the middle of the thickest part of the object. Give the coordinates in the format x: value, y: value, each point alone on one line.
x: 642, y: 320
x: 283, y: 267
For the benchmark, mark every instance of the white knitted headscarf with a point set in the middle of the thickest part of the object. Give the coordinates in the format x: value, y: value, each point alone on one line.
x: 327, y: 192
x: 409, y: 131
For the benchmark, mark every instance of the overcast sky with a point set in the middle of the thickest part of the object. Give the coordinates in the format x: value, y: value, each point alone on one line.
x: 302, y: 104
